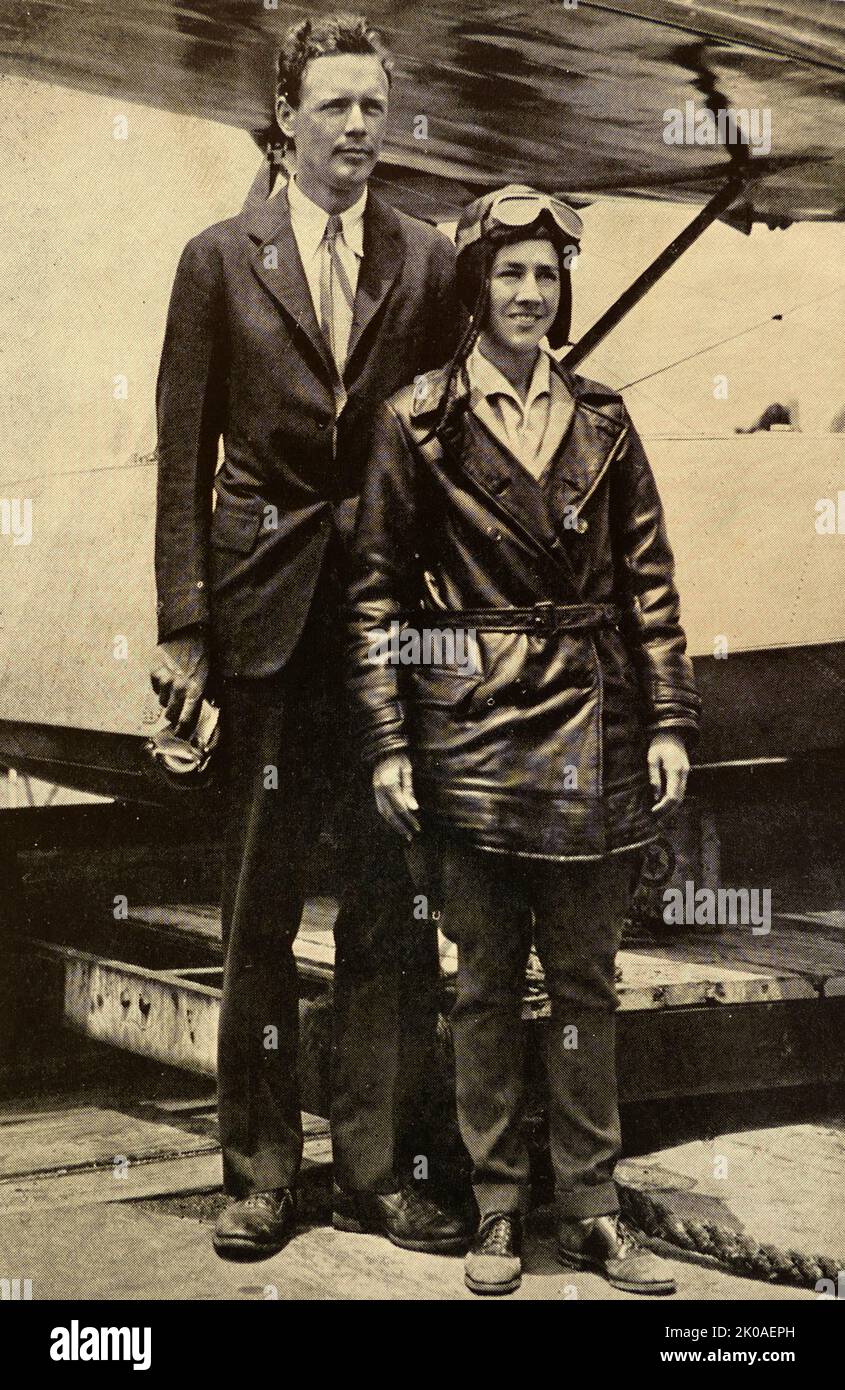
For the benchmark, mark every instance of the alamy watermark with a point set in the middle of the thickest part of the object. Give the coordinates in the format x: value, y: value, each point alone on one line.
x: 16, y: 519
x: 830, y: 515
x: 82, y: 1343
x: 15, y: 1290
x: 718, y: 907
x: 453, y: 647
x: 698, y: 125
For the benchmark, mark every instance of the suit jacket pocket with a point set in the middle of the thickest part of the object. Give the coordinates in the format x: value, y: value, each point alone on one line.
x: 235, y: 526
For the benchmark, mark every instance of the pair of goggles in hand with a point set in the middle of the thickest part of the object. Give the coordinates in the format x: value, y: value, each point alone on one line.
x: 186, y: 763
x: 514, y: 206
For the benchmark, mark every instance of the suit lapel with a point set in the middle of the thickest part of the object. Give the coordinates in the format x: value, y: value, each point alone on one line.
x: 379, y: 268
x: 269, y: 225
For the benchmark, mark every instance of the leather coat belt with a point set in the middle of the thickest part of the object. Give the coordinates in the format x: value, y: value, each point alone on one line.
x: 545, y: 617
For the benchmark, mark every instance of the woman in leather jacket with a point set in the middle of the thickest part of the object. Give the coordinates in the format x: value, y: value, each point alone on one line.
x: 521, y: 688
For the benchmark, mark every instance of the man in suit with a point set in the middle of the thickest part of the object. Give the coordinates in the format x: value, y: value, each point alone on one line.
x: 288, y: 325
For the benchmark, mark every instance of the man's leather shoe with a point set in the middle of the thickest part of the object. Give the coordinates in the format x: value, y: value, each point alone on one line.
x: 493, y: 1264
x: 408, y: 1219
x: 256, y: 1226
x: 605, y: 1244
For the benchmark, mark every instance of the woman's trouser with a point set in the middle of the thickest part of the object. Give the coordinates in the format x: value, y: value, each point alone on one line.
x: 492, y: 905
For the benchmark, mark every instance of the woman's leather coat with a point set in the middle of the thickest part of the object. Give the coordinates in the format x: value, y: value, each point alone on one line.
x: 531, y: 740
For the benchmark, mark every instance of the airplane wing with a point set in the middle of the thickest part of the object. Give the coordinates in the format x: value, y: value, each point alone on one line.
x: 574, y: 95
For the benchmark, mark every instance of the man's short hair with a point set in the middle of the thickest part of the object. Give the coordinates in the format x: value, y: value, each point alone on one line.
x: 321, y: 37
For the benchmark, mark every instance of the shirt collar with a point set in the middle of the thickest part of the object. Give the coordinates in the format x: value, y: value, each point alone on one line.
x: 310, y: 220
x: 486, y: 380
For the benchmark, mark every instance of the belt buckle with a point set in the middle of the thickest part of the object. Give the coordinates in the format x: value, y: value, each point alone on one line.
x: 543, y: 616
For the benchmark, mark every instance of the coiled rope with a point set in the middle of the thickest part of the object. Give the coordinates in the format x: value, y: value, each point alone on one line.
x: 730, y: 1249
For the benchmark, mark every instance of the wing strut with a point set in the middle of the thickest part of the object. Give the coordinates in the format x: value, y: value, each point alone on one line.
x: 667, y: 258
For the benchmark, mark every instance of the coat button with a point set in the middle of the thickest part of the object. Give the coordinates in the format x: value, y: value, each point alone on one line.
x: 200, y: 583
x: 490, y: 700
x: 491, y: 531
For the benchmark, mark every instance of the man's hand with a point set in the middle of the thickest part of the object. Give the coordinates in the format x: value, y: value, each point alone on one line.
x: 393, y: 786
x: 179, y: 677
x: 668, y: 769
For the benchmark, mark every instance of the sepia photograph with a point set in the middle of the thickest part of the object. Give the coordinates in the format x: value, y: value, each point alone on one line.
x: 422, y: 666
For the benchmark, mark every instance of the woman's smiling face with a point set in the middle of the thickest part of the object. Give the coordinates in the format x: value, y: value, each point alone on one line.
x: 524, y: 295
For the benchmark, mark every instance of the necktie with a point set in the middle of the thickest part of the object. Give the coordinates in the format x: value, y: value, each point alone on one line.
x: 333, y: 281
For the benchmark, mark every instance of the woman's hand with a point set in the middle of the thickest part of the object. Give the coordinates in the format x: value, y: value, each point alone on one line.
x: 668, y: 769
x: 394, y: 789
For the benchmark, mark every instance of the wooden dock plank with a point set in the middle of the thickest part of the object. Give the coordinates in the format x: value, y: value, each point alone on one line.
x: 86, y: 1186
x: 833, y: 921
x: 164, y: 1174
x: 90, y: 1136
x: 663, y: 979
x: 730, y: 966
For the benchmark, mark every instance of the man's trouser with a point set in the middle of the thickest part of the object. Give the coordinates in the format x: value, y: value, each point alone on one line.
x: 578, y: 909
x: 287, y: 764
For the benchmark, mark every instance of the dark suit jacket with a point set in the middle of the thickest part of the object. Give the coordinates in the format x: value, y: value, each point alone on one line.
x: 244, y: 361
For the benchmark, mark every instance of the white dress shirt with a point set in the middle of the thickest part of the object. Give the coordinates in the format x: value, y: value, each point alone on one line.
x: 308, y: 222
x: 532, y: 430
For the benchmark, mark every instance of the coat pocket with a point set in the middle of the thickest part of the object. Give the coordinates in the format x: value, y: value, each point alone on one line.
x: 443, y: 687
x: 235, y: 525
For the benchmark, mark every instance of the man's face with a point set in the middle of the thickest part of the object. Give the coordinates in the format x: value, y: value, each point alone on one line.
x: 524, y: 294
x: 338, y: 127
